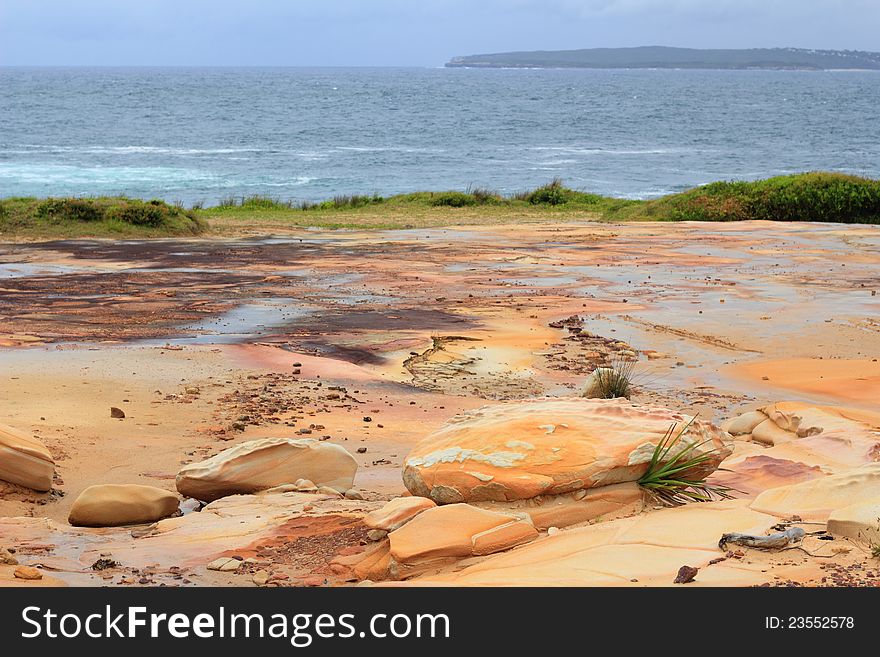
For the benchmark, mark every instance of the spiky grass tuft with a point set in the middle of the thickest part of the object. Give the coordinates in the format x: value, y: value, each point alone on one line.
x: 615, y: 381
x: 671, y: 475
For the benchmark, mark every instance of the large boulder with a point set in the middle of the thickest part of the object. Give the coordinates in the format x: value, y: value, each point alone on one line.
x: 519, y: 450
x: 24, y: 460
x: 111, y: 505
x: 262, y: 464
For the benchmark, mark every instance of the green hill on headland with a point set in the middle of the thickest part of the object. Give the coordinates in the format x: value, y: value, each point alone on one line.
x: 665, y: 57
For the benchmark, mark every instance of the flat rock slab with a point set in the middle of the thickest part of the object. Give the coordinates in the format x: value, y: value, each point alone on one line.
x: 649, y: 548
x: 397, y: 512
x: 816, y: 499
x: 24, y: 460
x: 112, y: 505
x: 860, y: 522
x: 458, y: 530
x: 262, y: 464
x: 225, y: 527
x: 519, y: 450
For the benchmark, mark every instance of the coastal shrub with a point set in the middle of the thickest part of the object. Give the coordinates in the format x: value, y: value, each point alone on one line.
x: 350, y: 201
x: 484, y: 196
x: 553, y: 193
x: 818, y: 196
x: 103, y: 214
x: 152, y: 213
x: 453, y: 199
x: 254, y: 202
x: 70, y: 209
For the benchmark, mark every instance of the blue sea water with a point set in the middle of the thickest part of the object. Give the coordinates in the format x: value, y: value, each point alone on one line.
x: 197, y: 135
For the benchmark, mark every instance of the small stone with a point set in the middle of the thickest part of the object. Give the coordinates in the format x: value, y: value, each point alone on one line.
x: 686, y: 574
x: 192, y: 391
x: 224, y: 564
x: 376, y: 534
x: 261, y: 577
x: 26, y: 572
x: 326, y: 490
x: 117, y: 413
x: 361, y: 450
x: 352, y: 494
x: 7, y: 558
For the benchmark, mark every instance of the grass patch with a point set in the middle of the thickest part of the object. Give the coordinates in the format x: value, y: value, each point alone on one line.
x: 101, y: 216
x: 612, y: 382
x: 817, y: 196
x: 675, y: 474
x: 827, y: 197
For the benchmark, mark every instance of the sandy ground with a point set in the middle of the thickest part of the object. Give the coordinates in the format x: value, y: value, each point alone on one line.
x: 373, y: 339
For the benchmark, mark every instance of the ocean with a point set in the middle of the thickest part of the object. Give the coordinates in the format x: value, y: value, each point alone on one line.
x: 197, y: 135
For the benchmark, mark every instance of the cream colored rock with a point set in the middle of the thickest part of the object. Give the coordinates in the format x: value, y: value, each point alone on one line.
x: 24, y: 460
x: 592, y: 388
x: 397, y: 512
x: 648, y: 548
x: 457, y: 530
x: 743, y: 424
x: 803, y: 419
x: 860, y: 522
x: 519, y: 450
x: 225, y: 564
x: 111, y: 505
x: 262, y: 464
x: 769, y: 433
x: 815, y: 499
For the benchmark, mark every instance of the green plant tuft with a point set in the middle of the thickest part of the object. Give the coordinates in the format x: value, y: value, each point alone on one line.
x: 677, y: 473
x: 612, y: 382
x: 453, y: 199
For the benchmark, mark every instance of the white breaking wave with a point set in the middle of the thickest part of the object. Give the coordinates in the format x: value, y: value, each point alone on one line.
x: 577, y: 150
x: 63, y: 177
x: 125, y: 150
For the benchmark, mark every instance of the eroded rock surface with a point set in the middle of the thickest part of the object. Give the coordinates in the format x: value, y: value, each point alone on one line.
x: 24, y: 460
x: 262, y: 464
x: 519, y: 450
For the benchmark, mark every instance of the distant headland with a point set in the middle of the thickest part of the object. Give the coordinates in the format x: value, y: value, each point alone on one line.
x: 665, y: 57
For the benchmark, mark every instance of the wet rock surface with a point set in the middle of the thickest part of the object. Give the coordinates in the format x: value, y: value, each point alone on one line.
x: 209, y: 344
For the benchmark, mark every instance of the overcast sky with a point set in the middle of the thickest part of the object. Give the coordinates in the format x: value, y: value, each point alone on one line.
x: 406, y: 32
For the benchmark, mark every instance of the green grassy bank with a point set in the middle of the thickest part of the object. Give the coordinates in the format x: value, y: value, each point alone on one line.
x: 826, y: 197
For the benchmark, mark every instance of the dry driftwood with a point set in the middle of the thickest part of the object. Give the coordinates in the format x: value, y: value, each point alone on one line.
x: 775, y: 541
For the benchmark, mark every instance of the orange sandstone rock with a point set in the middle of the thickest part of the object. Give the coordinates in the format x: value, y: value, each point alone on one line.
x: 262, y: 464
x: 24, y: 460
x: 519, y: 450
x: 110, y: 505
x: 397, y: 512
x: 458, y: 530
